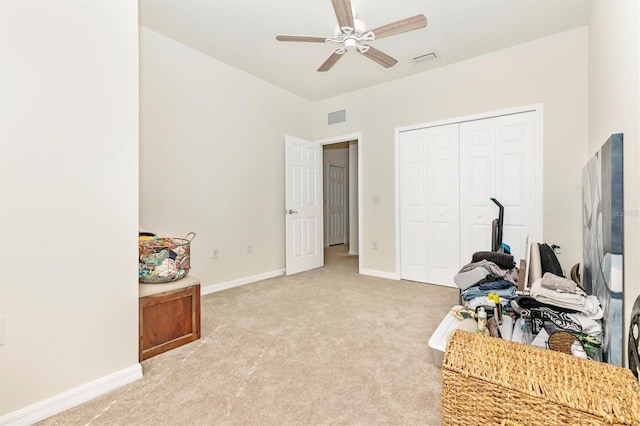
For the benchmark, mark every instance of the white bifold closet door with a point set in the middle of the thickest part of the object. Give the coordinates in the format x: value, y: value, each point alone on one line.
x: 497, y: 159
x: 429, y: 204
x: 448, y: 175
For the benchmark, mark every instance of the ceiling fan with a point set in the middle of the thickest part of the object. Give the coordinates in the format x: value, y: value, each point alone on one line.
x: 351, y: 34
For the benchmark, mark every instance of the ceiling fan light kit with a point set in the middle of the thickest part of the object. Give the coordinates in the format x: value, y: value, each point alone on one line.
x: 351, y: 34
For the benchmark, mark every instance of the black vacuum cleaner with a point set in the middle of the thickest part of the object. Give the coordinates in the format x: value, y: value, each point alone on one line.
x: 496, y: 230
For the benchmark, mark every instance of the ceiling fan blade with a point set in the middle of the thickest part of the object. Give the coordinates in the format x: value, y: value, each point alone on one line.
x: 308, y: 39
x: 380, y: 57
x: 409, y: 24
x: 343, y: 12
x: 331, y: 61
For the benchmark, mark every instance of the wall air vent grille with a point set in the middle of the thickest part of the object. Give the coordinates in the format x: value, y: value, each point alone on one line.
x: 337, y: 117
x: 425, y: 57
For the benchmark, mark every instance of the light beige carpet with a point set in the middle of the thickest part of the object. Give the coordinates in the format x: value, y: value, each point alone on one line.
x: 322, y: 347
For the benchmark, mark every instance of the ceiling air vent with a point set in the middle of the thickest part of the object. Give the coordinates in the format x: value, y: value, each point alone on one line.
x: 336, y: 117
x: 425, y: 57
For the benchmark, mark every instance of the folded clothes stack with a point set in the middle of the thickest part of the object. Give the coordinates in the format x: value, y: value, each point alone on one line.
x: 562, y: 306
x: 555, y: 291
x: 488, y: 273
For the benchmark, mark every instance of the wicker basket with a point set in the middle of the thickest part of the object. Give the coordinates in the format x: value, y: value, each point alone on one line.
x: 162, y: 259
x: 490, y: 381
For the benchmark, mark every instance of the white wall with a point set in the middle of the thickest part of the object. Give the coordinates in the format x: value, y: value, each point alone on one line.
x: 212, y: 158
x: 68, y: 190
x: 614, y: 99
x: 552, y: 71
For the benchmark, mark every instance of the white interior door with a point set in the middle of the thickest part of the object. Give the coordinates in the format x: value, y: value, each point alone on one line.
x: 515, y: 179
x: 498, y: 159
x: 337, y: 207
x: 429, y: 206
x: 443, y: 205
x: 477, y: 186
x: 303, y: 205
x: 413, y: 205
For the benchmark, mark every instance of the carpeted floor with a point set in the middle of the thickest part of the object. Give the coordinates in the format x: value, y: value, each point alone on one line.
x: 327, y: 346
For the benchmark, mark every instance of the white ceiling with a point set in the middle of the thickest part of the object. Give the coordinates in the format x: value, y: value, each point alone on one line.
x: 242, y: 34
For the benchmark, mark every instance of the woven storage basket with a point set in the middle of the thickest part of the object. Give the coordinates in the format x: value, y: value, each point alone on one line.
x: 490, y: 381
x: 163, y: 259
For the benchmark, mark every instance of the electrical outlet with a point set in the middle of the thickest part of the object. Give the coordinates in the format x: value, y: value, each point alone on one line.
x: 215, y: 254
x: 374, y: 245
x: 250, y: 249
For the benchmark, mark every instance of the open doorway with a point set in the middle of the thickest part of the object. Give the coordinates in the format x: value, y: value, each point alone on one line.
x: 340, y: 195
x: 340, y: 200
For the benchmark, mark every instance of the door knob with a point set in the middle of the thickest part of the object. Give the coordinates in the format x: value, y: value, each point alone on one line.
x: 291, y: 211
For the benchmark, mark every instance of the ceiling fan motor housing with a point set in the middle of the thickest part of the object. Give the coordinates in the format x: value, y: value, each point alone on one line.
x: 352, y: 38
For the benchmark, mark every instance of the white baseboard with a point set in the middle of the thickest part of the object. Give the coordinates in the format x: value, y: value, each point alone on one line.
x: 241, y: 281
x: 74, y: 397
x: 380, y: 274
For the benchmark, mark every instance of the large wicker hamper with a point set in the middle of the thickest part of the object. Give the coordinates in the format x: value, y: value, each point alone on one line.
x: 490, y: 381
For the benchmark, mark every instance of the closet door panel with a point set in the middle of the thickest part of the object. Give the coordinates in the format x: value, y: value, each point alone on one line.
x: 477, y: 186
x: 515, y: 178
x: 413, y: 208
x: 415, y: 241
x: 443, y: 208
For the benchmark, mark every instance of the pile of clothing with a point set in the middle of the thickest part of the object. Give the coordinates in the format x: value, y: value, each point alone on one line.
x: 554, y: 303
x: 162, y: 259
x: 489, y: 273
x: 557, y: 303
